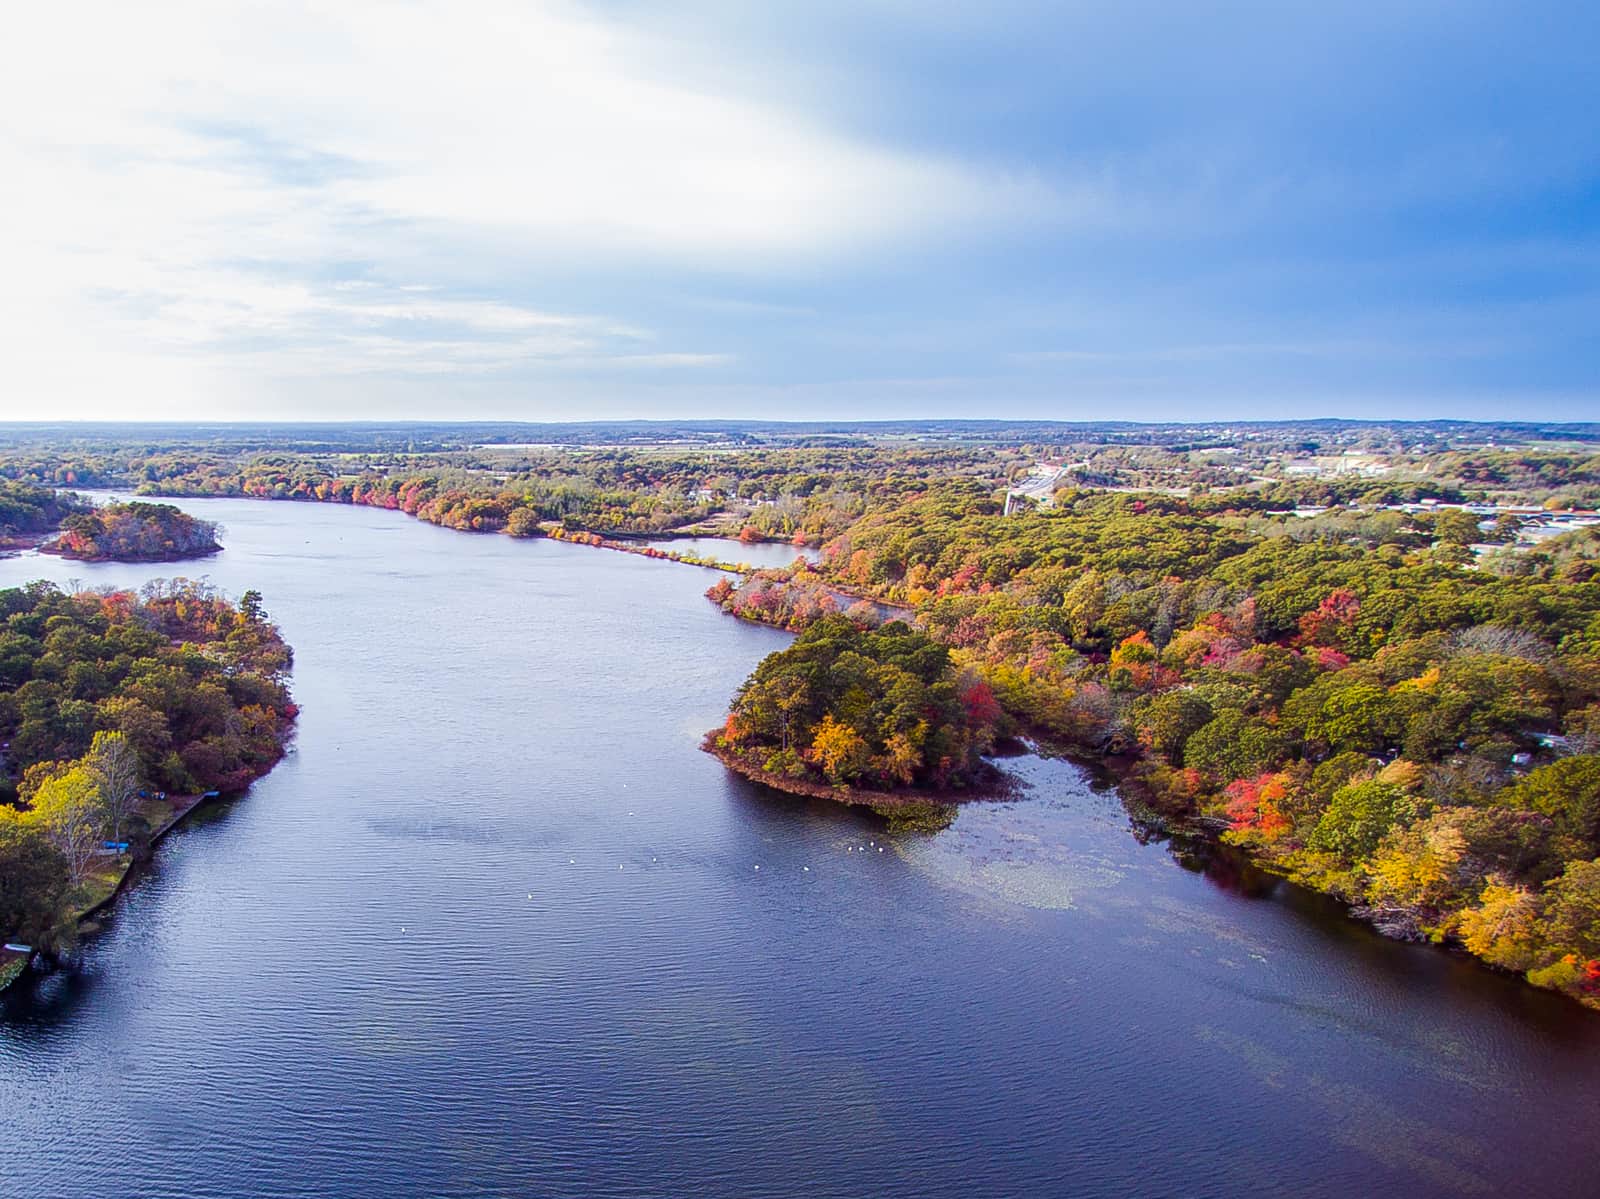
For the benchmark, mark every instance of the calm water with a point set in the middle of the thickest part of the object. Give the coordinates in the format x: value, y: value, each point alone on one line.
x: 496, y: 927
x: 735, y: 552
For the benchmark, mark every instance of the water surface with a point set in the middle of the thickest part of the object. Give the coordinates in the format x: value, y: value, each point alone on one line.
x: 497, y: 928
x: 735, y: 552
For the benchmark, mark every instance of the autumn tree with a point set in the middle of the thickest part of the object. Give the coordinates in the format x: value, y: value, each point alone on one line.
x: 114, y: 764
x: 1359, y: 817
x: 881, y: 707
x: 69, y: 810
x: 841, y: 752
x: 1503, y: 928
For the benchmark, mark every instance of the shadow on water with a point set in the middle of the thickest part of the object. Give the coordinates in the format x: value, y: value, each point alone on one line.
x: 1381, y: 962
x: 44, y: 1000
x: 1441, y: 969
x: 768, y: 808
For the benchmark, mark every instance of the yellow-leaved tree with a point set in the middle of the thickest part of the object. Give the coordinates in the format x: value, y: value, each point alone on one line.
x: 839, y: 750
x: 69, y: 808
x: 1504, y: 928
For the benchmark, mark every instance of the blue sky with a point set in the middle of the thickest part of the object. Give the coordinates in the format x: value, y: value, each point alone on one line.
x: 874, y: 209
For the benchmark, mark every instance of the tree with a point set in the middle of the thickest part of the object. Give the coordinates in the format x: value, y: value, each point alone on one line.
x: 1583, y: 729
x: 115, y: 766
x: 523, y: 522
x: 1132, y: 661
x: 69, y: 810
x: 250, y: 606
x: 902, y: 757
x: 1330, y: 621
x: 1166, y: 721
x: 1456, y: 526
x: 1572, y: 910
x: 1344, y: 713
x: 31, y: 874
x: 1359, y: 816
x: 1503, y: 929
x: 143, y: 726
x: 1232, y: 746
x: 883, y: 705
x: 839, y: 750
x: 1567, y: 791
x: 1416, y: 866
x: 1257, y: 808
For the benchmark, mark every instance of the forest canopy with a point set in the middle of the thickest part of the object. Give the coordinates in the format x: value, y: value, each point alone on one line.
x: 876, y: 708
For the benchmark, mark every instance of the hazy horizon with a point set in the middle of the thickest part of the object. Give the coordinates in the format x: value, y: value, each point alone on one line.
x: 747, y: 421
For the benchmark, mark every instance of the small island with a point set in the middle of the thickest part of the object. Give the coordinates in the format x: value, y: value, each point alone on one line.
x: 876, y: 716
x: 134, y: 532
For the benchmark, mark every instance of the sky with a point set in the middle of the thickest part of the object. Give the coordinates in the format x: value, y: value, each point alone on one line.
x: 867, y: 209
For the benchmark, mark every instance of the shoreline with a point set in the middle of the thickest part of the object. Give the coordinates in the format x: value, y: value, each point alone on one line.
x: 884, y: 802
x: 1118, y: 771
x: 17, y: 544
x: 181, y: 807
x: 45, y: 547
x: 178, y: 810
x: 616, y: 540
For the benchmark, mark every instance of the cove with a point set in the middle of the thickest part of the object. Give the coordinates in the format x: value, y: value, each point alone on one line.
x: 495, y: 927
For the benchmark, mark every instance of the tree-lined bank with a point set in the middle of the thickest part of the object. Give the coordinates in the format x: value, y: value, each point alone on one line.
x: 116, y: 710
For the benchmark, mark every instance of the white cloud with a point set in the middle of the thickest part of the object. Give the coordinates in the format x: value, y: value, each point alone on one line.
x: 194, y: 178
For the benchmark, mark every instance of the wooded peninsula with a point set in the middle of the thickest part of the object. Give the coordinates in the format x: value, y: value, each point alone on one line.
x: 878, y: 715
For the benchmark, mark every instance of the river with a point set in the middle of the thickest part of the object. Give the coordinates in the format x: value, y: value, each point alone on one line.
x: 496, y: 927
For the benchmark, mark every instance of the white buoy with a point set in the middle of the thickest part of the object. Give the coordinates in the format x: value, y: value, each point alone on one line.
x: 807, y: 869
x: 758, y: 867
